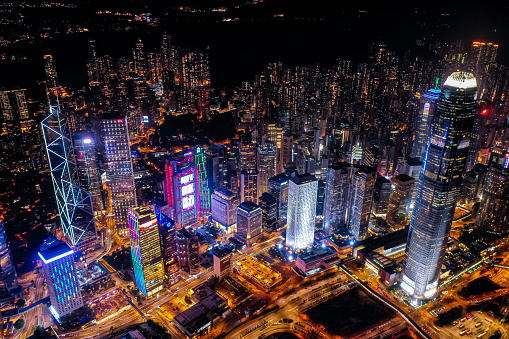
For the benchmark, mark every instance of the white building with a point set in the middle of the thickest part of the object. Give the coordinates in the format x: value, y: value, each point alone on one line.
x: 302, y: 195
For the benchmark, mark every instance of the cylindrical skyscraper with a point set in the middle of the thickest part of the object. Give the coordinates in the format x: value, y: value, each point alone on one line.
x: 439, y: 185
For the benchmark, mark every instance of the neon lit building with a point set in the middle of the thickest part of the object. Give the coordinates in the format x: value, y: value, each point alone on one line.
x: 439, y: 185
x: 168, y: 236
x: 182, y: 190
x: 302, y: 195
x: 203, y: 184
x: 146, y: 250
x: 115, y: 135
x: 74, y: 204
x: 60, y: 274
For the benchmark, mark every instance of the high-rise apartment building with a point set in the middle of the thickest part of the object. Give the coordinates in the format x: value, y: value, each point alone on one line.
x: 278, y: 188
x: 247, y: 156
x: 60, y: 274
x: 13, y: 105
x: 8, y: 276
x: 249, y: 222
x: 335, y: 201
x: 249, y: 184
x: 168, y: 237
x: 182, y: 190
x: 224, y: 208
x: 115, y: 137
x: 266, y: 166
x: 426, y: 111
x: 146, y: 250
x: 302, y: 195
x: 439, y: 186
x: 188, y: 252
x: 361, y: 194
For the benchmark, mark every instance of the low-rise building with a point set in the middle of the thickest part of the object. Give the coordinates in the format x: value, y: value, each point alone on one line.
x: 316, y: 260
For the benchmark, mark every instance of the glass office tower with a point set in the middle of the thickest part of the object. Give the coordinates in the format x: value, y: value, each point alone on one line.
x: 439, y: 186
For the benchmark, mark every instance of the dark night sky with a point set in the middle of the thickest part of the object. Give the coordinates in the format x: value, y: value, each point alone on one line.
x: 240, y: 50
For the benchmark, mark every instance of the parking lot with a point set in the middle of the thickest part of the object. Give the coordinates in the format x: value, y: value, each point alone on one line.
x: 473, y: 325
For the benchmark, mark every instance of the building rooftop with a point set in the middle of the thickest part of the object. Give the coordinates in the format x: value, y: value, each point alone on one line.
x: 300, y: 179
x: 317, y: 254
x: 432, y: 94
x: 222, y: 252
x: 414, y: 162
x: 403, y: 178
x: 55, y: 252
x: 267, y: 198
x: 390, y: 240
x: 225, y: 193
x: 461, y: 80
x: 280, y: 178
x: 248, y: 206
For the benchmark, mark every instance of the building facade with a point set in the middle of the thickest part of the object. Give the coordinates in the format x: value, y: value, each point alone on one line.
x: 188, y: 252
x: 146, y: 250
x: 335, y: 201
x: 439, y: 186
x: 224, y: 208
x: 249, y: 222
x: 302, y: 195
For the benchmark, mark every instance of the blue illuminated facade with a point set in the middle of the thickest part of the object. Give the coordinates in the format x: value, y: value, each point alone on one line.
x: 60, y: 273
x: 74, y: 204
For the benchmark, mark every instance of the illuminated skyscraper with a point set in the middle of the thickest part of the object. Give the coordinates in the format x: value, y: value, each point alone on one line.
x: 247, y: 152
x: 336, y: 193
x: 139, y: 62
x: 249, y: 222
x: 400, y: 201
x: 8, y: 276
x: 188, y: 251
x: 302, y: 195
x: 266, y: 166
x: 74, y: 204
x: 51, y: 71
x: 439, y: 186
x: 203, y: 183
x: 60, y: 274
x: 115, y: 136
x: 182, y: 190
x: 269, y: 205
x: 381, y: 193
x: 146, y: 250
x: 361, y: 195
x: 168, y: 236
x: 88, y: 167
x: 249, y: 184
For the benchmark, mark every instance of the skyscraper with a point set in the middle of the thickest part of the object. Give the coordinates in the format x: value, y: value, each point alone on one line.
x: 249, y: 184
x: 182, y: 189
x: 266, y: 166
x: 438, y: 186
x: 249, y: 222
x: 168, y: 236
x: 400, y: 201
x: 426, y: 110
x: 361, y: 195
x: 381, y: 194
x: 13, y: 105
x: 247, y: 156
x: 146, y: 250
x: 203, y: 183
x: 269, y: 205
x: 115, y: 136
x: 224, y: 208
x: 8, y: 276
x: 278, y: 188
x: 51, y: 71
x: 60, y: 274
x: 336, y: 193
x: 74, y: 204
x: 188, y: 251
x: 302, y: 195
x: 493, y: 215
